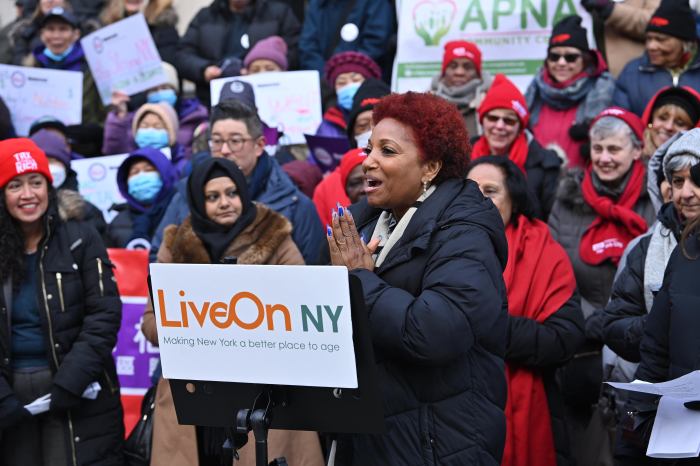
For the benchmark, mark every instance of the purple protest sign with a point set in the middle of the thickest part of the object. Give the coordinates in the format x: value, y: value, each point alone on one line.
x: 326, y: 151
x: 135, y: 357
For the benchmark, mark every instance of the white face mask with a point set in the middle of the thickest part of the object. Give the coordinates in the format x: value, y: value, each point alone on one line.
x: 58, y: 173
x: 363, y: 139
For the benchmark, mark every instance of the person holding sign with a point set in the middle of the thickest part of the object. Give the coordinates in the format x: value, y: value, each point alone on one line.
x: 61, y: 314
x: 432, y: 277
x: 61, y: 50
x: 224, y: 225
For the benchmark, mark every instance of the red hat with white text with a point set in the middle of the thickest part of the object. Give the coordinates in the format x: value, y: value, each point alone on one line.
x: 461, y: 49
x: 504, y: 94
x: 628, y: 117
x: 20, y: 156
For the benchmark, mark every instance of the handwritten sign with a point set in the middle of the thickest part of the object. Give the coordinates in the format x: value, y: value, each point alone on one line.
x: 290, y: 101
x: 327, y: 151
x: 283, y: 325
x: 123, y: 56
x: 32, y: 93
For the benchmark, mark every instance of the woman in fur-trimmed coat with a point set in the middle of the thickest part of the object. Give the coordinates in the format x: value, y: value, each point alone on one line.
x: 223, y: 223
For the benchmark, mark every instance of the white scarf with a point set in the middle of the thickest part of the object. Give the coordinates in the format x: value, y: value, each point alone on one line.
x: 660, y: 248
x: 387, y: 239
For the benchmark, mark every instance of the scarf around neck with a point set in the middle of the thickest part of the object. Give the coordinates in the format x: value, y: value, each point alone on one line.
x: 539, y: 280
x: 462, y: 96
x: 517, y: 153
x: 616, y: 224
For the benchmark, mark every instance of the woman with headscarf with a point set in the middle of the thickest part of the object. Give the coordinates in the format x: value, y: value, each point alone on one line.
x: 572, y: 87
x: 224, y: 225
x: 504, y: 118
x: 545, y: 323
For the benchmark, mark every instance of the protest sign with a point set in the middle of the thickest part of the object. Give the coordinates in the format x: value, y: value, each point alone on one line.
x: 122, y: 56
x: 97, y: 181
x: 512, y: 35
x: 135, y: 358
x: 281, y: 325
x: 327, y: 151
x: 289, y: 101
x: 32, y: 93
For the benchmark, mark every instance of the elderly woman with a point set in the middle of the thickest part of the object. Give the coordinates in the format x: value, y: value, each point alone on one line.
x: 569, y: 91
x: 671, y: 58
x: 597, y: 212
x: 671, y: 110
x: 433, y: 287
x: 223, y: 222
x: 504, y: 117
x: 60, y: 318
x: 462, y: 82
x: 545, y: 323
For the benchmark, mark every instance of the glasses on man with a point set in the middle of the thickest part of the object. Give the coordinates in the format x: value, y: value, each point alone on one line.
x: 234, y: 144
x: 508, y: 121
x: 568, y: 57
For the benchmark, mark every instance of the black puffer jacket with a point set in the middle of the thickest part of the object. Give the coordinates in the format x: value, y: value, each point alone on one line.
x: 543, y: 169
x: 438, y: 314
x: 624, y: 317
x: 215, y: 28
x: 80, y: 319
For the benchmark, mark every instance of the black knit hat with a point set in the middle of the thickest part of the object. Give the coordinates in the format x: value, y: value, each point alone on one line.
x: 681, y: 98
x: 695, y: 174
x: 366, y: 97
x: 674, y: 18
x: 569, y: 33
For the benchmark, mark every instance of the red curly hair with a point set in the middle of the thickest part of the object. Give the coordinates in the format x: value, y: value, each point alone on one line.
x: 437, y: 127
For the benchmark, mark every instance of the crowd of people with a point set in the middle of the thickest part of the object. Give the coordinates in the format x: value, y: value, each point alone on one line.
x: 515, y: 249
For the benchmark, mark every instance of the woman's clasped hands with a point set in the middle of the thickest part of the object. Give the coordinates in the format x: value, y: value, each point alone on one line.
x: 346, y: 245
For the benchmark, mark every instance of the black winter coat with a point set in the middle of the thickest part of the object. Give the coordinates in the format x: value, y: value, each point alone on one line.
x: 542, y: 167
x: 80, y: 320
x: 624, y: 316
x: 208, y: 34
x: 438, y: 315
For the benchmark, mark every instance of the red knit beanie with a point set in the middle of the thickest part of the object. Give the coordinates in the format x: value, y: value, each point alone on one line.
x: 20, y: 156
x: 628, y: 117
x: 350, y: 160
x: 504, y: 94
x: 461, y: 49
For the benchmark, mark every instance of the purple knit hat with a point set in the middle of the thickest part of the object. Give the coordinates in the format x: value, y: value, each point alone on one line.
x: 273, y: 48
x: 351, y: 62
x: 53, y: 145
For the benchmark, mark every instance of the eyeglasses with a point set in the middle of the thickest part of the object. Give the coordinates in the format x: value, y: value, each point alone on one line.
x: 568, y: 57
x: 508, y: 121
x: 234, y: 144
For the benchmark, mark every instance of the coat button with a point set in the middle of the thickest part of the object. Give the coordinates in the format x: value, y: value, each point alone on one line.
x: 49, y: 296
x: 77, y: 439
x: 57, y: 346
x: 75, y: 266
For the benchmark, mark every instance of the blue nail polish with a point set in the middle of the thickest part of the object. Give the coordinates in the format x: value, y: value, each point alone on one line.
x: 329, y: 232
x: 341, y: 211
x: 362, y: 237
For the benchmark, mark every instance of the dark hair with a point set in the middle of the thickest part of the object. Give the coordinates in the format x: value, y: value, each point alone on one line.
x: 231, y: 109
x: 437, y: 126
x: 520, y: 193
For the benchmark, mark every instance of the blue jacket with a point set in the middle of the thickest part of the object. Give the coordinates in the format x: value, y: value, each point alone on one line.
x: 640, y: 81
x: 438, y: 317
x: 280, y: 194
x: 375, y: 20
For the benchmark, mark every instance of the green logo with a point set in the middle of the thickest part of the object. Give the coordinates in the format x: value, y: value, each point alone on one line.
x: 433, y: 18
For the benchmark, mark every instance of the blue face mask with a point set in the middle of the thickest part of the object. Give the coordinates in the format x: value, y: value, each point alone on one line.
x: 145, y: 186
x: 58, y: 56
x: 167, y: 96
x: 345, y: 95
x: 151, y: 137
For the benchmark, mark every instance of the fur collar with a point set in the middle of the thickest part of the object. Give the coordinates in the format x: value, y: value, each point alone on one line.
x: 71, y: 205
x: 254, y: 245
x: 167, y: 17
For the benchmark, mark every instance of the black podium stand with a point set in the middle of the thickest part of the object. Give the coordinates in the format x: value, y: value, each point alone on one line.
x: 246, y: 407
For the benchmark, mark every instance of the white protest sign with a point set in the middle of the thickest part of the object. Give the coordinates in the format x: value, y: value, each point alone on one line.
x: 266, y: 324
x: 290, y: 101
x: 512, y: 35
x: 32, y: 93
x: 123, y: 56
x: 97, y: 181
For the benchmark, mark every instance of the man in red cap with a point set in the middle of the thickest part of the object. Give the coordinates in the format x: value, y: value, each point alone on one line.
x: 462, y: 81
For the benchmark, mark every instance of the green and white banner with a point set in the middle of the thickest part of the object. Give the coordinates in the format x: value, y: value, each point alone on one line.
x: 512, y: 36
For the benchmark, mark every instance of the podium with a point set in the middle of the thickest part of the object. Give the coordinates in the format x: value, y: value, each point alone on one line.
x: 242, y: 407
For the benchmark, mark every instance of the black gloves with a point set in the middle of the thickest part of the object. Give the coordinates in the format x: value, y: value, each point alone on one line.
x: 603, y: 8
x: 62, y: 399
x: 579, y: 132
x: 12, y: 412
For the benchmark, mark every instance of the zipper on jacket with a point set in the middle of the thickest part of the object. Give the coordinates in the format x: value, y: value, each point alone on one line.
x: 72, y: 439
x: 59, y: 277
x: 46, y: 302
x: 109, y: 382
x: 99, y: 272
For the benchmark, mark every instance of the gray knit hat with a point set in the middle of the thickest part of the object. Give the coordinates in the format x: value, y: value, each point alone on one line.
x: 688, y: 144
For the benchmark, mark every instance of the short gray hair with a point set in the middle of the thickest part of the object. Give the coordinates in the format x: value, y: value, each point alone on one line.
x: 609, y: 126
x: 677, y: 163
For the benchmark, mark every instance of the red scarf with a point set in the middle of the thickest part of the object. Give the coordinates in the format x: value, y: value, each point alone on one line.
x: 539, y: 280
x: 517, y: 153
x: 617, y: 224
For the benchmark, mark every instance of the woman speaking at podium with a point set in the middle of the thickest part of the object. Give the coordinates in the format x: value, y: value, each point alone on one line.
x: 223, y: 224
x: 432, y: 275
